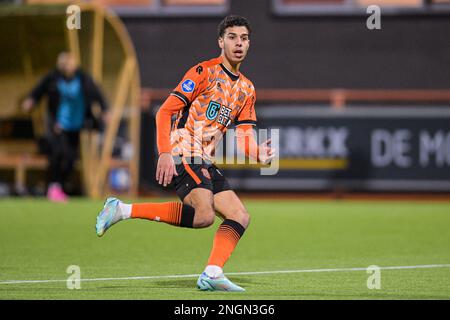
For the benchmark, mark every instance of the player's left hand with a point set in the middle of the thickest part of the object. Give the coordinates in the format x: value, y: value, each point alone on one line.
x: 266, y: 152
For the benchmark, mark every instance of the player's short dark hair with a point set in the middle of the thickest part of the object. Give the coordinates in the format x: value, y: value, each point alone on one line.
x: 233, y: 21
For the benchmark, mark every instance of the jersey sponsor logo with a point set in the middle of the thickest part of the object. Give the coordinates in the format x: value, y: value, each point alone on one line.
x: 222, y: 113
x: 188, y: 85
x: 224, y: 116
x: 213, y: 110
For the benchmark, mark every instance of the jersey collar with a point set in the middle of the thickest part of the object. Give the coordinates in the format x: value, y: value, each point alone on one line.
x: 232, y: 75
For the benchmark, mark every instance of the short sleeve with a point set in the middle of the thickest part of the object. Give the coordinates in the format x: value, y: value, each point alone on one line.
x: 247, y: 114
x: 192, y: 85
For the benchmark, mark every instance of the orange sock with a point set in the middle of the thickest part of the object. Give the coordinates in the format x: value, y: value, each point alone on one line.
x: 174, y: 213
x: 226, y: 239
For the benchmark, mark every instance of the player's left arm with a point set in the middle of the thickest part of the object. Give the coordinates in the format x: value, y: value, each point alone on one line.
x: 247, y: 144
x: 246, y: 141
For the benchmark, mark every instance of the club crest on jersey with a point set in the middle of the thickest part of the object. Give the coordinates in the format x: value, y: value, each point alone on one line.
x: 188, y: 85
x: 213, y: 110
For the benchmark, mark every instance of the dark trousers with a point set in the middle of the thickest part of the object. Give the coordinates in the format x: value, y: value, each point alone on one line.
x: 62, y: 154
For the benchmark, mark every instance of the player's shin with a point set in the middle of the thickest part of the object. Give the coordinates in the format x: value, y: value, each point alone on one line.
x: 225, y: 240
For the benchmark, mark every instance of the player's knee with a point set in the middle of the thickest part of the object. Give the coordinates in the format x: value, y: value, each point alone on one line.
x: 204, y: 217
x: 245, y: 218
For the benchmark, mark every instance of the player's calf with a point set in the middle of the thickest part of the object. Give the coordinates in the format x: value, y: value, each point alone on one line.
x: 173, y: 213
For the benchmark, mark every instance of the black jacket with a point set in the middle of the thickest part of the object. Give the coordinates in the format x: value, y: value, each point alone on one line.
x: 91, y: 92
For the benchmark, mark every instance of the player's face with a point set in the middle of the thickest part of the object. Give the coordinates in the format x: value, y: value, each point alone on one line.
x: 235, y: 43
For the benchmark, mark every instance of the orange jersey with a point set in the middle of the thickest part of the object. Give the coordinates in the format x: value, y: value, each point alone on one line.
x: 212, y: 99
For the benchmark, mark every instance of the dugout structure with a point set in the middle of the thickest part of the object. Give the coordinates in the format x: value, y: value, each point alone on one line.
x: 31, y: 37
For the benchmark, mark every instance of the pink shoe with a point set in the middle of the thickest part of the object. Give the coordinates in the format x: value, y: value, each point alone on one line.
x: 56, y: 194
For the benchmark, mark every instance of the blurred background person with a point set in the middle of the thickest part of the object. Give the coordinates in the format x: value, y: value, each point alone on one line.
x: 71, y: 95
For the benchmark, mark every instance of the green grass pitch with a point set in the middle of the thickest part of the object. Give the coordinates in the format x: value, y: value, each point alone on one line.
x: 39, y: 240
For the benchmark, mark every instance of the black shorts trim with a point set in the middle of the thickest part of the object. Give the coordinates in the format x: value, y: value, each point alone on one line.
x: 196, y: 173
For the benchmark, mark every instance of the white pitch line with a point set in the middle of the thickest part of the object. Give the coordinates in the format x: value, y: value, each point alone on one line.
x: 427, y: 266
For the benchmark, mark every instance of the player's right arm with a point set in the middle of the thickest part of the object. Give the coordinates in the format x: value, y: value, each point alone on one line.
x: 193, y: 83
x: 166, y: 166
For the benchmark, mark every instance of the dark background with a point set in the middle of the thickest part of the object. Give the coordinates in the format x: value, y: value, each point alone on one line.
x: 410, y: 51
